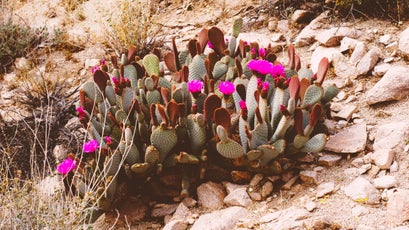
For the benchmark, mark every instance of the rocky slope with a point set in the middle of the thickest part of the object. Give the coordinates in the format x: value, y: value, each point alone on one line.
x: 358, y: 182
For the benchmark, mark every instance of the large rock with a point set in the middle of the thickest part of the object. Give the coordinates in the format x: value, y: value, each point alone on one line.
x: 307, y: 35
x: 368, y: 61
x: 388, y: 141
x: 362, y: 191
x: 238, y: 197
x: 221, y: 219
x: 358, y: 53
x: 384, y: 182
x: 342, y: 67
x: 332, y: 37
x: 404, y: 42
x: 394, y: 85
x: 397, y: 210
x: 290, y: 218
x: 211, y: 195
x: 349, y: 140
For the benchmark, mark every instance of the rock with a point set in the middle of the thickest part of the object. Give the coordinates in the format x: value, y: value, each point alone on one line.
x: 310, y: 205
x: 404, y: 42
x: 256, y: 179
x: 349, y: 140
x: 309, y: 177
x: 374, y: 171
x: 177, y: 224
x: 300, y: 16
x: 397, y: 208
x: 401, y: 228
x: 364, y: 168
x: 307, y: 35
x: 359, y: 211
x: 347, y: 44
x: 332, y: 37
x: 329, y: 160
x: 394, y: 167
x: 182, y: 212
x: 230, y: 187
x: 277, y: 37
x: 358, y: 54
x: 368, y: 61
x: 189, y: 202
x: 211, y: 195
x: 60, y: 152
x: 346, y: 112
x: 384, y: 39
x: 321, y: 52
x: 290, y: 218
x: 325, y: 188
x: 221, y: 219
x: 161, y: 210
x: 381, y: 69
x: 385, y: 182
x: 388, y: 141
x: 343, y: 68
x: 357, y: 162
x: 266, y: 189
x: 394, y: 85
x: 288, y: 184
x: 238, y: 197
x: 362, y: 191
x: 91, y: 62
x: 272, y: 25
x: 261, y: 39
x: 283, y: 26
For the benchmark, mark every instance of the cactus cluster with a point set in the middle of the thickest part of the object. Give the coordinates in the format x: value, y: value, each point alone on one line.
x: 232, y: 104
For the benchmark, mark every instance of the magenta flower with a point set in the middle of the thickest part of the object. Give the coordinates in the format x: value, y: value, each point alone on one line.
x: 90, y: 146
x: 210, y: 45
x: 253, y: 51
x: 265, y: 86
x: 277, y: 70
x: 262, y: 52
x: 115, y: 81
x: 195, y: 86
x: 108, y: 140
x: 242, y: 105
x: 95, y: 68
x: 260, y: 66
x: 66, y: 166
x: 81, y: 112
x: 226, y: 87
x: 103, y: 62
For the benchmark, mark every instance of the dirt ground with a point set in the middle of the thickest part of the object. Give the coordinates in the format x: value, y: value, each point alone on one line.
x: 185, y: 19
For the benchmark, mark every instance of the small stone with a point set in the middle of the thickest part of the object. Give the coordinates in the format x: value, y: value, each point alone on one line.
x: 182, y: 212
x: 22, y: 64
x: 318, y: 168
x: 359, y: 87
x: 277, y: 37
x: 176, y: 224
x: 283, y: 26
x: 358, y: 54
x: 289, y: 184
x: 374, y: 171
x: 256, y: 179
x: 161, y: 210
x: 383, y: 158
x: 230, y: 187
x: 309, y: 177
x: 362, y: 191
x: 290, y: 218
x: 350, y: 140
x: 238, y: 197
x: 357, y: 162
x: 364, y: 168
x: 346, y: 112
x: 342, y: 124
x: 221, y: 219
x: 351, y: 172
x: 266, y: 189
x: 300, y: 16
x: 332, y: 37
x: 385, y: 39
x: 368, y: 61
x: 189, y: 202
x: 321, y: 52
x: 349, y: 99
x: 310, y: 205
x: 380, y: 69
x: 272, y: 24
x: 348, y: 44
x: 385, y: 182
x: 397, y: 209
x: 329, y: 160
x: 359, y: 211
x: 388, y: 60
x: 325, y: 188
x: 60, y: 152
x: 211, y: 195
x: 394, y: 167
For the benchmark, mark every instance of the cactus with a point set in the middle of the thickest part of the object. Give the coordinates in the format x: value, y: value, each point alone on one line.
x: 158, y: 124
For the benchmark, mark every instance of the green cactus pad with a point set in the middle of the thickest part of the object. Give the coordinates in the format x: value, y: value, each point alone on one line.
x: 278, y: 100
x: 132, y: 154
x: 152, y: 155
x: 122, y: 117
x: 300, y: 141
x: 330, y: 92
x: 226, y: 146
x: 140, y: 168
x: 197, y: 68
x: 313, y: 95
x: 164, y: 83
x: 92, y: 91
x: 131, y: 74
x: 219, y: 70
x: 110, y: 94
x: 237, y: 25
x: 290, y: 73
x: 164, y: 140
x: 232, y: 45
x: 305, y: 73
x: 127, y: 96
x: 153, y: 97
x: 269, y: 153
x: 183, y: 57
x: 112, y: 165
x: 315, y: 144
x: 280, y: 145
x: 151, y: 64
x: 196, y: 132
x: 250, y: 100
x: 259, y: 135
x: 254, y: 154
x: 128, y: 136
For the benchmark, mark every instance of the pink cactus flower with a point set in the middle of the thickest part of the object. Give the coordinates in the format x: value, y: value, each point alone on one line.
x: 95, y: 68
x: 115, y: 81
x: 259, y: 83
x: 108, y: 140
x: 66, y: 166
x: 283, y: 108
x: 265, y: 86
x: 81, y: 112
x: 226, y: 40
x: 242, y: 105
x: 195, y: 86
x: 253, y: 51
x: 226, y: 87
x: 210, y: 45
x: 90, y: 146
x: 103, y: 62
x: 260, y: 66
x: 262, y: 52
x: 277, y: 70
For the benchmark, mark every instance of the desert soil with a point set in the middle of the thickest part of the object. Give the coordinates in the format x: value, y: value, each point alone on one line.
x: 185, y: 20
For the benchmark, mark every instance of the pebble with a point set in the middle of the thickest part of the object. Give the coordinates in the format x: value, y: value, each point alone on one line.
x: 238, y: 197
x: 309, y: 177
x: 385, y: 182
x: 161, y: 210
x: 364, y: 168
x: 362, y: 191
x: 329, y: 160
x: 211, y: 195
x: 221, y: 219
x: 325, y: 188
x: 346, y: 112
x: 349, y: 140
x: 394, y: 167
x: 397, y: 208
